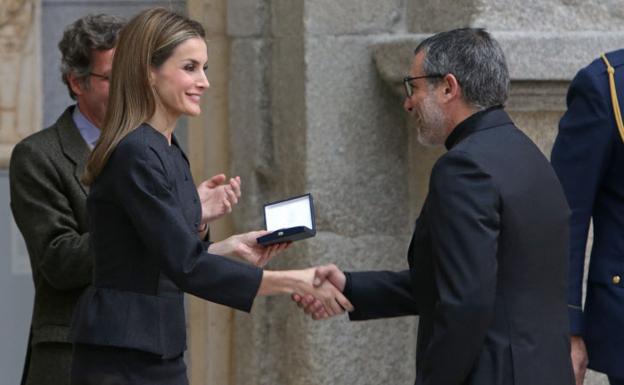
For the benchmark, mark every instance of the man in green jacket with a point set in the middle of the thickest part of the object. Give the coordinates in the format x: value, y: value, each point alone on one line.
x: 49, y: 202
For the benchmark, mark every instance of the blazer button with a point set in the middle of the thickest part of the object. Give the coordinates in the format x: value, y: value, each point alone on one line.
x: 616, y: 279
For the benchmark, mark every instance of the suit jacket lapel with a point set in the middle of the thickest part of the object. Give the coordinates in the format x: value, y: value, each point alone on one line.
x: 73, y: 145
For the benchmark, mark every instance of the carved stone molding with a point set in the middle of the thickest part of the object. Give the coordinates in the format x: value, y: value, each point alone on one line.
x: 540, y: 63
x: 20, y: 73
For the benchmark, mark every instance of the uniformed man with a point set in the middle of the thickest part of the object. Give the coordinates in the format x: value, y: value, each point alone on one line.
x: 588, y: 157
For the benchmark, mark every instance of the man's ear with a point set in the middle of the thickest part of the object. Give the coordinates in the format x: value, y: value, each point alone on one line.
x: 76, y: 84
x: 451, y: 89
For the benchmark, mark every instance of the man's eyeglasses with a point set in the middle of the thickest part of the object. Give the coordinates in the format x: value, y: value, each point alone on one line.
x: 103, y: 77
x: 407, y: 82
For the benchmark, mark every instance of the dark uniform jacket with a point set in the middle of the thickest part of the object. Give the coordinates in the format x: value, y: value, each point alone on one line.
x: 487, y: 265
x: 144, y: 214
x: 588, y: 157
x: 49, y: 206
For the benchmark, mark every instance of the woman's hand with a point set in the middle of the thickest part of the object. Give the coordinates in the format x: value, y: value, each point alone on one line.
x: 245, y: 246
x: 217, y: 197
x: 301, y: 282
x: 323, y: 275
x: 329, y: 296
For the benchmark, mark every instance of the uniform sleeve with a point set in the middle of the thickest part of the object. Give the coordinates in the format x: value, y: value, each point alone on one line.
x: 57, y: 248
x: 380, y: 294
x: 464, y: 223
x: 580, y: 158
x: 151, y: 202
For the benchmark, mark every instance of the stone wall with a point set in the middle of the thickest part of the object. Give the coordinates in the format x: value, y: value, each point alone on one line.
x: 309, y: 113
x: 315, y: 106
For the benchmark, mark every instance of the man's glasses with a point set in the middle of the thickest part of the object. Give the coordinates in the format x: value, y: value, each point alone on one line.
x: 407, y: 82
x: 103, y: 77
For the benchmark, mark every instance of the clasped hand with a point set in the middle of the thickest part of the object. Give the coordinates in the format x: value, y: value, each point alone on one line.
x: 315, y: 305
x: 325, y: 298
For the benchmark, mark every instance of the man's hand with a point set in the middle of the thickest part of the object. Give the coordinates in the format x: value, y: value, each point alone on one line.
x: 217, y: 197
x: 331, y: 300
x: 323, y: 275
x: 578, y: 353
x: 323, y: 298
x: 245, y: 246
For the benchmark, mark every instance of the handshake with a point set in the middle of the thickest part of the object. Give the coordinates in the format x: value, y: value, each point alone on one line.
x: 328, y: 300
x: 317, y: 290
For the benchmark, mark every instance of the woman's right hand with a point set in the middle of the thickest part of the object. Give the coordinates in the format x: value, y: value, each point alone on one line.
x: 330, y: 297
x: 302, y: 283
x: 323, y: 275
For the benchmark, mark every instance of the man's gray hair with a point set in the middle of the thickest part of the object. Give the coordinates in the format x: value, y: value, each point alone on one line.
x: 476, y: 60
x: 80, y: 39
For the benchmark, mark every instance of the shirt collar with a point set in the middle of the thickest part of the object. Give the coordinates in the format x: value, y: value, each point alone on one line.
x: 89, y: 132
x: 466, y: 126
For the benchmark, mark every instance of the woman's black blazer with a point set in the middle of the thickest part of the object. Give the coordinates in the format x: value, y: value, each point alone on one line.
x: 144, y: 212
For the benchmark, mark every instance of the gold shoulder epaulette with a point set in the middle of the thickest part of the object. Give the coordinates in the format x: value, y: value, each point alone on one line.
x: 614, y: 97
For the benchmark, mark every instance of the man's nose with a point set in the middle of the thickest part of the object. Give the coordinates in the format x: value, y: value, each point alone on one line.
x: 407, y: 104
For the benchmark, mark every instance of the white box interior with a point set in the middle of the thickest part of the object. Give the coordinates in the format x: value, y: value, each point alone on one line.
x: 290, y: 213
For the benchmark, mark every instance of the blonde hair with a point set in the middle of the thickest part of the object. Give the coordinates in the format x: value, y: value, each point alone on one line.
x: 144, y: 43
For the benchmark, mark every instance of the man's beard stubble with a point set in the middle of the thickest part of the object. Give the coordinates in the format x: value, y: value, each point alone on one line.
x: 430, y: 123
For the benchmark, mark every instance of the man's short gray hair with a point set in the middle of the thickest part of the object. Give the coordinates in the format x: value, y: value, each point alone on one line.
x: 80, y: 39
x: 476, y: 60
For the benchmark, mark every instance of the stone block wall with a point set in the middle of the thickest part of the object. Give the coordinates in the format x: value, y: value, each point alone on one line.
x: 306, y: 116
x: 316, y: 106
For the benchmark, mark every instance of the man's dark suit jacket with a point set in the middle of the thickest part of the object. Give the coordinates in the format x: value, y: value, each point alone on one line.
x: 144, y: 213
x: 487, y: 265
x: 49, y: 206
x: 588, y: 157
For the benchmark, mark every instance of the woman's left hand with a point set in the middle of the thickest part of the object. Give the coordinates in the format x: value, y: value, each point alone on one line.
x: 245, y: 246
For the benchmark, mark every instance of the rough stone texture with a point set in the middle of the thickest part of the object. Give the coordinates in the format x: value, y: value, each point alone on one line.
x: 316, y: 106
x: 268, y: 146
x: 288, y: 104
x: 286, y: 18
x: 212, y: 15
x: 318, y: 126
x: 531, y: 56
x: 356, y: 141
x: 362, y: 17
x: 248, y: 18
x: 278, y: 345
x: 513, y: 15
x: 440, y: 15
x: 356, y: 166
x: 554, y: 56
x: 550, y: 15
x: 537, y: 95
x: 250, y: 127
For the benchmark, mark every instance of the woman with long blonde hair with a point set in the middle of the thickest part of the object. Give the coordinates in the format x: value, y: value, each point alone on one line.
x: 146, y: 219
